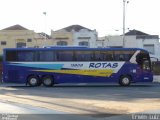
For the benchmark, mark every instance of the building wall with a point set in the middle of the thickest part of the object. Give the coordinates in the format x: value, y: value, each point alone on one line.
x: 117, y: 41
x: 85, y: 35
x: 41, y: 41
x: 152, y: 42
x: 100, y: 42
x: 132, y: 42
x: 12, y: 37
x: 27, y: 37
x: 62, y: 35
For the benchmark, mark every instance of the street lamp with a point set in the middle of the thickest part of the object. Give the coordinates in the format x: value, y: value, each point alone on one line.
x: 124, y: 11
x: 44, y: 13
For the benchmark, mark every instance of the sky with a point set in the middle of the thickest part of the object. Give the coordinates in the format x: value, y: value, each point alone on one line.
x: 106, y: 16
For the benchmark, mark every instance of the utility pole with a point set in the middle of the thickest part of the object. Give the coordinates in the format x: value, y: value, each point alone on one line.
x: 45, y: 37
x: 124, y: 17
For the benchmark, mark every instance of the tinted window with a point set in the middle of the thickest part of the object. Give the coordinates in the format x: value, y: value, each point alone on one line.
x: 84, y: 56
x: 113, y: 55
x: 11, y: 55
x: 20, y: 56
x: 123, y: 55
x: 104, y: 56
x: 47, y: 56
x: 119, y: 56
x: 141, y: 57
x: 99, y: 55
x: 65, y: 55
x: 128, y: 55
x: 109, y: 56
x: 25, y: 56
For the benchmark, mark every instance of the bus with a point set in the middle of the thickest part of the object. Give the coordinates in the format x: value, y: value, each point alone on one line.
x: 55, y: 65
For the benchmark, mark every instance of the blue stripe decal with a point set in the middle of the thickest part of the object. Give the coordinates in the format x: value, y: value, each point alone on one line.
x: 45, y: 66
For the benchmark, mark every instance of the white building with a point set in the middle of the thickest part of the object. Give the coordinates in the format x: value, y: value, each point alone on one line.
x: 75, y: 35
x: 134, y: 39
x: 100, y: 42
x: 85, y: 37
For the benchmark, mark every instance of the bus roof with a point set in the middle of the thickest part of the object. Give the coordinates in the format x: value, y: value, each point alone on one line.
x: 74, y: 48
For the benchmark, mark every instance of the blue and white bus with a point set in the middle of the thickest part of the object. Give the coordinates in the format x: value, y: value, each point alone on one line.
x: 54, y: 65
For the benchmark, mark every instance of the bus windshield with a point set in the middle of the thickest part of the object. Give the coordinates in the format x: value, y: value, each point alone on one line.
x: 143, y: 60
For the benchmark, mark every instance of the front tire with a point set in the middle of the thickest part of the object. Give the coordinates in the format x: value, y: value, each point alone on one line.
x: 125, y: 80
x: 33, y: 80
x: 48, y: 81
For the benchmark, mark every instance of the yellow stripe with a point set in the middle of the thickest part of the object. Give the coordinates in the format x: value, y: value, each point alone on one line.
x: 101, y: 73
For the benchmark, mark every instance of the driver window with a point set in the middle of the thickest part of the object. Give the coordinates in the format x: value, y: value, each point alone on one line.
x: 146, y: 65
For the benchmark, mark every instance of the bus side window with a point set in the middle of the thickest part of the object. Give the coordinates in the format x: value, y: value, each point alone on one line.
x: 11, y: 56
x: 84, y: 55
x: 88, y: 56
x: 121, y: 57
x: 25, y: 56
x: 109, y: 56
x: 100, y: 56
x: 65, y: 55
x: 47, y: 56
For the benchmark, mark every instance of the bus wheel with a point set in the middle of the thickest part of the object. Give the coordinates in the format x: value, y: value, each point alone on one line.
x: 48, y: 81
x: 125, y: 80
x: 33, y: 80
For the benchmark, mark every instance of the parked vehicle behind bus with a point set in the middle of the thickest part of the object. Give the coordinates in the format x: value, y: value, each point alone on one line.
x: 55, y: 65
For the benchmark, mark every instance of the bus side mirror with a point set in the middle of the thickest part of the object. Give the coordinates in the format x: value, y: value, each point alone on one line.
x: 154, y: 58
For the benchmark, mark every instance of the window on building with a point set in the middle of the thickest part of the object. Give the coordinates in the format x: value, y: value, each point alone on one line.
x: 3, y: 43
x: 36, y: 46
x: 61, y: 38
x: 29, y: 40
x: 21, y: 45
x: 62, y: 43
x: 84, y: 38
x: 84, y: 43
x: 149, y: 48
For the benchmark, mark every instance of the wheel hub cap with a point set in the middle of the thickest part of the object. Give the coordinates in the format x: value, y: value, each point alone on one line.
x: 33, y: 81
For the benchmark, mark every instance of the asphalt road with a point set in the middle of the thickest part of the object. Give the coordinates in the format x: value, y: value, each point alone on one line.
x: 14, y: 111
x: 14, y: 108
x: 86, y: 101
